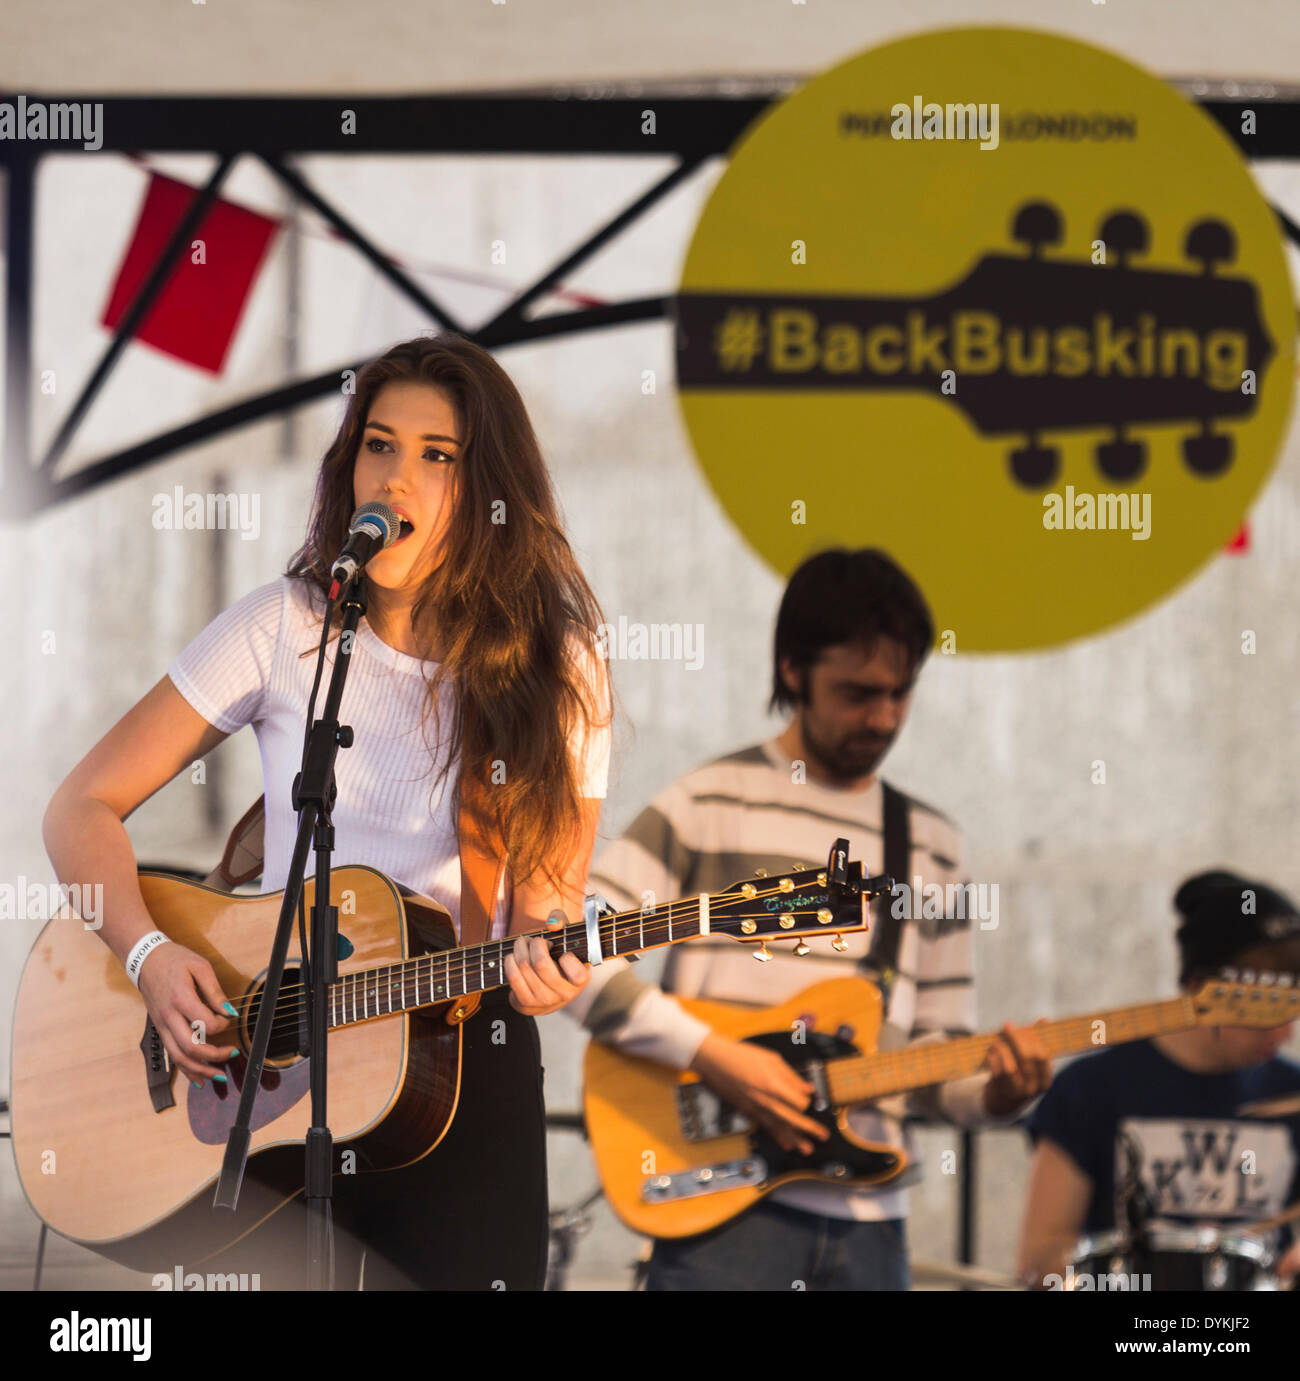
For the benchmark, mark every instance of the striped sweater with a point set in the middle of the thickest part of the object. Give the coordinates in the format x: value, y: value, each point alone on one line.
x: 724, y: 822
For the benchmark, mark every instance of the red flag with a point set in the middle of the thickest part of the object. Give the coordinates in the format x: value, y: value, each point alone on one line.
x: 195, y: 314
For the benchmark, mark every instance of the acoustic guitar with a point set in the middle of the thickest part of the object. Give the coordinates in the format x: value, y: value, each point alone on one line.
x: 119, y: 1154
x: 675, y: 1159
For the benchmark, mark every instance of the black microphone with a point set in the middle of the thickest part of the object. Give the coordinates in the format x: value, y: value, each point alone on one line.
x: 374, y: 526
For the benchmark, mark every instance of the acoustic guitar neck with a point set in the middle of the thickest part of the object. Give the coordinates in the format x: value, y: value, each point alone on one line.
x: 804, y: 903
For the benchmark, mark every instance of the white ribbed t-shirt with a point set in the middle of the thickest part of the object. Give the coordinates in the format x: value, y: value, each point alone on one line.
x: 392, y: 812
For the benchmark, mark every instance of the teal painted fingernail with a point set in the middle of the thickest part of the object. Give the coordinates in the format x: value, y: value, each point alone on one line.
x: 228, y: 1009
x: 220, y: 1078
x: 196, y: 1083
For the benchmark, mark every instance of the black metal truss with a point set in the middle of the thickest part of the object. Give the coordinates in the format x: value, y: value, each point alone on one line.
x: 580, y: 122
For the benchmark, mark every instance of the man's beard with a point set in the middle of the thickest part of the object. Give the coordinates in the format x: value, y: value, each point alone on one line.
x: 852, y: 757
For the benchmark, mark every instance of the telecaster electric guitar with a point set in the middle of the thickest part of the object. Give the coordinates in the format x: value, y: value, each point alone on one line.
x: 119, y: 1153
x: 675, y: 1159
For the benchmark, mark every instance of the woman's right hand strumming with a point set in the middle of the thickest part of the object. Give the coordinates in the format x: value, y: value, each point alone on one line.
x: 189, y: 1009
x: 87, y: 842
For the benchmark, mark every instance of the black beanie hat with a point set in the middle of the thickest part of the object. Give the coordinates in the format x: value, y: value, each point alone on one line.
x: 1224, y: 914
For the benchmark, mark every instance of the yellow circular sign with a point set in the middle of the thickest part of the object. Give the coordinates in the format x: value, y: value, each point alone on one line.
x: 1002, y: 304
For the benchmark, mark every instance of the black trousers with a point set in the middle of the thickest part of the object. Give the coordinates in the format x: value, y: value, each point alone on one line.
x: 472, y: 1215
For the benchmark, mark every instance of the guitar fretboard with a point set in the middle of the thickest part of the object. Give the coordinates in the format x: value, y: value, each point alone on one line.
x: 859, y: 1078
x: 449, y: 974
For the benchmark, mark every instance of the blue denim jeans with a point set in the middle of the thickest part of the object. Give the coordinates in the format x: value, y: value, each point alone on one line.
x: 772, y: 1247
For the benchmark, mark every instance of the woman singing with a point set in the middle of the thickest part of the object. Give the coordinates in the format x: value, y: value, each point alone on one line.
x: 473, y: 678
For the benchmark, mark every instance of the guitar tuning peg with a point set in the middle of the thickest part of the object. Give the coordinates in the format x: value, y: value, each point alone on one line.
x: 762, y: 953
x: 1267, y: 979
x: 1248, y: 976
x: 802, y: 948
x: 1229, y: 975
x: 840, y: 944
x: 800, y: 867
x: 760, y: 872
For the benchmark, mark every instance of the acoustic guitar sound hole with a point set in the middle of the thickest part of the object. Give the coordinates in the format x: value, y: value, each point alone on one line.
x: 287, y: 1025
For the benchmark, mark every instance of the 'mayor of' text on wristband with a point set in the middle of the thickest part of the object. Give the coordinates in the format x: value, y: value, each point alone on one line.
x: 143, y: 946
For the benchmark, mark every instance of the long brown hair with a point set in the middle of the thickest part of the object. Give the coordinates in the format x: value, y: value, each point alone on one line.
x: 512, y: 610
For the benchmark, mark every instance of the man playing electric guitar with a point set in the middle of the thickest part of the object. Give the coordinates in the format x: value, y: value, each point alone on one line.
x: 851, y: 636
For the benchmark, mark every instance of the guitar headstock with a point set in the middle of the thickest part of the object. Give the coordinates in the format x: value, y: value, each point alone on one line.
x: 1247, y: 999
x: 797, y: 904
x: 1067, y: 295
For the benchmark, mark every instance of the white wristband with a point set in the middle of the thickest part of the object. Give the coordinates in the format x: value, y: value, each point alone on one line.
x: 145, y: 945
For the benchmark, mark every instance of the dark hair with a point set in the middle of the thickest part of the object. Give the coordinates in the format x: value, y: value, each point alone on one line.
x: 842, y: 596
x: 507, y: 600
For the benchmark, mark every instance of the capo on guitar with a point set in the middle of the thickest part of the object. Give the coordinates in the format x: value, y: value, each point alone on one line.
x: 837, y: 865
x: 844, y: 876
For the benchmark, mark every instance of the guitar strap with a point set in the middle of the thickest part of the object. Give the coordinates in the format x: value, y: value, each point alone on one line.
x: 882, y: 956
x: 242, y: 860
x: 482, y: 864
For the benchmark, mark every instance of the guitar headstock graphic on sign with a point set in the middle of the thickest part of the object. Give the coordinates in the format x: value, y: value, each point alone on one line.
x: 1004, y: 304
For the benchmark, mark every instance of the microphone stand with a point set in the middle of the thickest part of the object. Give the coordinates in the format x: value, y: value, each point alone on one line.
x: 314, y: 791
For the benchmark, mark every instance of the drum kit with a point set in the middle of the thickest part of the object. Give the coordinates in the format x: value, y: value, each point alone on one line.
x: 1153, y: 1253
x: 1148, y: 1255
x: 1165, y: 1257
x: 1168, y: 1256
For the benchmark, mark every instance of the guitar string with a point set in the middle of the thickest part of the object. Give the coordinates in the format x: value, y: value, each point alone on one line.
x: 413, y: 969
x: 663, y: 916
x: 660, y: 927
x: 287, y: 1011
x: 879, y: 1072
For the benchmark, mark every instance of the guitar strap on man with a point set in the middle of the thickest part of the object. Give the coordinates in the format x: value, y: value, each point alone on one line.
x: 482, y: 864
x: 887, y: 929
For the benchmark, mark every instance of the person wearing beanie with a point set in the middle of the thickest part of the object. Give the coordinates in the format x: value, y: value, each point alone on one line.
x: 1192, y: 1127
x: 853, y: 632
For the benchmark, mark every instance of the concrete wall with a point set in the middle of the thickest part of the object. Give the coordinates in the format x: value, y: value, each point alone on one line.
x: 1198, y: 739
